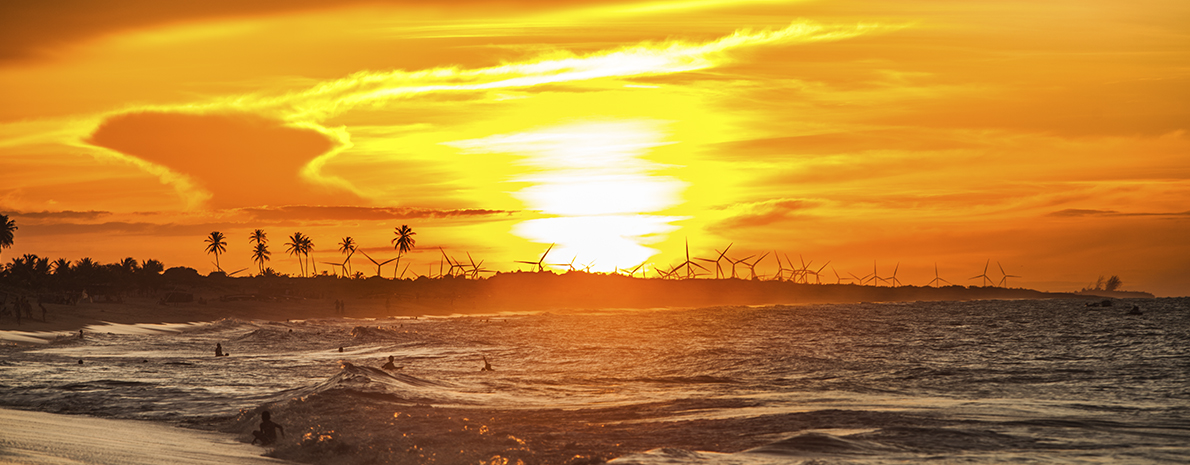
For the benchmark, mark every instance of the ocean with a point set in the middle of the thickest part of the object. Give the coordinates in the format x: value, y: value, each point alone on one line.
x: 1023, y: 381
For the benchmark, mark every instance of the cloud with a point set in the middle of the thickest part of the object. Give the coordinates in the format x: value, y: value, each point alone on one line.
x: 316, y: 213
x: 1082, y: 213
x: 746, y: 215
x: 242, y: 160
x: 842, y: 142
x: 59, y: 215
x: 644, y: 59
x: 123, y: 228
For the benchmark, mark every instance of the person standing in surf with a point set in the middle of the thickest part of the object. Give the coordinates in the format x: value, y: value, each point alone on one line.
x: 267, y: 434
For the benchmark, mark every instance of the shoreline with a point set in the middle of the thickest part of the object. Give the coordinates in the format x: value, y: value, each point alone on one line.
x: 40, y: 438
x: 66, y: 320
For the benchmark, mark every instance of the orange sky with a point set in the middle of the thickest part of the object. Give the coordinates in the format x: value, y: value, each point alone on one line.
x: 1047, y: 136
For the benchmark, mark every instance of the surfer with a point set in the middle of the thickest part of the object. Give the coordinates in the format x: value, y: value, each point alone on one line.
x: 390, y: 365
x: 486, y: 366
x: 1135, y: 310
x: 267, y: 434
x: 219, y: 350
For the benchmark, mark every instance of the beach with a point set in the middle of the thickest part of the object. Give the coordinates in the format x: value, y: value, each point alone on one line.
x: 37, y: 438
x: 979, y: 382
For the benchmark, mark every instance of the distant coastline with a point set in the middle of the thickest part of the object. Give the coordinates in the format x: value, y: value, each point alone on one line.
x: 193, y: 297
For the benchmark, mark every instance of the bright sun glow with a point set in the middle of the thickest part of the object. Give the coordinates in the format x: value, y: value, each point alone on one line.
x: 592, y: 180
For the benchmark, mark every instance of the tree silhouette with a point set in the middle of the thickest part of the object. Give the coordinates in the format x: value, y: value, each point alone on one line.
x: 61, y: 267
x: 216, y: 245
x: 258, y: 236
x: 295, y: 247
x: 404, y: 242
x: 260, y: 254
x: 307, y: 247
x: 347, y: 246
x: 1113, y: 283
x: 152, y: 267
x: 7, y: 228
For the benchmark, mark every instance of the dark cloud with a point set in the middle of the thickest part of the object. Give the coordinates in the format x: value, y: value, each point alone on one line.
x: 60, y: 215
x: 241, y: 159
x: 317, y: 213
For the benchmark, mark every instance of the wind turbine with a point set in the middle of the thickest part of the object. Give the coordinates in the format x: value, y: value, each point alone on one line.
x: 839, y: 279
x: 1004, y: 280
x: 874, y: 278
x: 937, y: 281
x: 805, y: 271
x: 893, y: 281
x: 737, y: 262
x: 818, y: 274
x: 374, y: 262
x: 781, y: 269
x: 233, y: 273
x: 752, y: 266
x: 718, y: 268
x: 985, y: 277
x: 569, y: 266
x: 540, y: 266
x: 342, y: 266
x: 689, y: 264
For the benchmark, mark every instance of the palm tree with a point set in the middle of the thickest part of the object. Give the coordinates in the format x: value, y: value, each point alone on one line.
x: 216, y: 245
x: 260, y: 254
x: 307, y: 247
x: 152, y: 267
x: 404, y: 242
x: 258, y: 237
x: 348, y: 247
x: 7, y: 228
x: 295, y: 246
x: 61, y: 266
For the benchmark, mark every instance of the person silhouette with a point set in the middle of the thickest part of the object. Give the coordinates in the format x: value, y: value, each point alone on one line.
x: 267, y: 434
x: 219, y: 350
x: 390, y: 365
x: 486, y: 366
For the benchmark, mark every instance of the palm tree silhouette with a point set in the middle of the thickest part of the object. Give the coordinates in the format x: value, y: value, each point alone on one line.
x: 61, y: 266
x: 404, y: 242
x: 295, y: 247
x: 260, y: 254
x: 216, y: 245
x: 307, y: 247
x: 348, y: 247
x: 7, y: 228
x: 258, y: 236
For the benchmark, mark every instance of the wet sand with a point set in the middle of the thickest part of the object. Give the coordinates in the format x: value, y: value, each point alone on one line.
x: 37, y: 438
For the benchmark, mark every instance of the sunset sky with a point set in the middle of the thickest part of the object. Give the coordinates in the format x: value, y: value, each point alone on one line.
x: 1050, y: 137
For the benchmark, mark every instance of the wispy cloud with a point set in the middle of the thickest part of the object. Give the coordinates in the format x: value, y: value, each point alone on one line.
x: 1080, y: 213
x: 744, y: 215
x: 315, y: 213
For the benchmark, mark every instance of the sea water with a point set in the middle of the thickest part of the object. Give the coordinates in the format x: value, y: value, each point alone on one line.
x: 1048, y: 381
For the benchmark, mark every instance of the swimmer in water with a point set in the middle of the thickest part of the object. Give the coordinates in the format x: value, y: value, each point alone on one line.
x: 267, y: 434
x: 486, y: 366
x: 219, y: 350
x: 390, y: 365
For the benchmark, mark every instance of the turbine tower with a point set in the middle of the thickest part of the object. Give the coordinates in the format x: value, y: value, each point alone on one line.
x: 937, y: 281
x: 985, y: 277
x: 539, y: 262
x: 1004, y: 280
